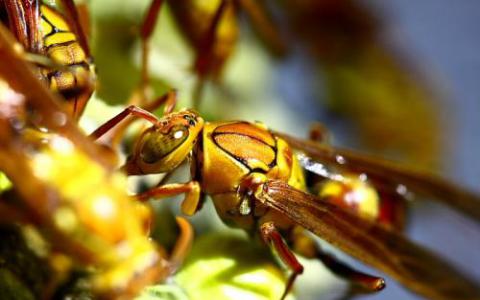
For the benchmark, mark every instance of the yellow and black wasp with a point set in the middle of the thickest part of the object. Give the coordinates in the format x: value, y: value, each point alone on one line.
x: 58, y: 44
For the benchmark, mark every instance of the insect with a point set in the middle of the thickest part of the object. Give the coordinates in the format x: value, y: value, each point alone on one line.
x: 256, y: 183
x: 211, y: 28
x: 67, y: 189
x: 58, y: 44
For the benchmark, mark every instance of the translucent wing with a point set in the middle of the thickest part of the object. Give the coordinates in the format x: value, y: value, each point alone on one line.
x: 416, y: 268
x: 24, y: 22
x: 419, y: 182
x: 74, y: 20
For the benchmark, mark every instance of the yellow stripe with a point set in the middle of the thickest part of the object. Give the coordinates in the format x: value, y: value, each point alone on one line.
x: 59, y: 23
x: 59, y: 38
x: 54, y: 17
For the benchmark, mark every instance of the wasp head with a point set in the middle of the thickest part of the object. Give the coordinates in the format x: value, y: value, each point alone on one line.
x: 162, y: 147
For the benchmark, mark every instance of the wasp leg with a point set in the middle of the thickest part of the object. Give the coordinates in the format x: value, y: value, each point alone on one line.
x: 183, y: 244
x: 362, y: 283
x: 169, y: 99
x: 170, y: 103
x: 319, y: 133
x: 205, y: 52
x: 145, y: 33
x: 272, y: 237
x: 131, y: 110
x: 192, y: 195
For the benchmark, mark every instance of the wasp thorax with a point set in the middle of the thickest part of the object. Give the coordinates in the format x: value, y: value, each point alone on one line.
x: 158, y: 144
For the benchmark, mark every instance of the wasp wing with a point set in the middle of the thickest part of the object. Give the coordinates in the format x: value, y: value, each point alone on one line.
x: 416, y: 268
x: 75, y: 22
x: 24, y: 22
x: 421, y: 183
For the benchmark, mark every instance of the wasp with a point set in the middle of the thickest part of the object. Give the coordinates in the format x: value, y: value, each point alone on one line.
x: 212, y: 29
x: 347, y: 40
x: 65, y: 187
x: 255, y: 178
x: 59, y: 44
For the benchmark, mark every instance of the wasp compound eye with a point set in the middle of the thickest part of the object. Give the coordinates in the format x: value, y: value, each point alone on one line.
x: 157, y: 145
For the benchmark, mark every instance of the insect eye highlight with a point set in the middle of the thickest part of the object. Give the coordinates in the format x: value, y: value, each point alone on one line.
x: 157, y: 145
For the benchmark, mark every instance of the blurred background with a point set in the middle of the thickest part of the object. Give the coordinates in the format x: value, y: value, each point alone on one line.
x: 399, y: 79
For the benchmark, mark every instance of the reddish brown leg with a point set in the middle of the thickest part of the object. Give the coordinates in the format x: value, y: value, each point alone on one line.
x: 362, y: 282
x: 145, y: 33
x: 191, y: 189
x: 184, y: 242
x: 170, y: 101
x: 205, y: 52
x: 273, y: 238
x: 129, y: 111
x: 319, y: 133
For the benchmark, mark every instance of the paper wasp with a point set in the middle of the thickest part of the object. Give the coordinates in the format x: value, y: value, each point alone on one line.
x: 256, y: 182
x: 65, y: 187
x: 58, y: 44
x: 211, y: 28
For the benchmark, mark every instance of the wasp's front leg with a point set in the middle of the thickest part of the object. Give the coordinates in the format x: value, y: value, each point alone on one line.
x: 117, y: 125
x: 191, y: 190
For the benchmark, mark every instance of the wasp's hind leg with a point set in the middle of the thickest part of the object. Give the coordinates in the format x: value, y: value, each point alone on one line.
x: 360, y: 282
x: 272, y: 237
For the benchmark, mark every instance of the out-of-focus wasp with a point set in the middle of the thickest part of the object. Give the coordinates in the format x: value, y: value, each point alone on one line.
x: 211, y: 28
x: 257, y: 183
x: 58, y: 44
x: 368, y: 78
x: 67, y: 189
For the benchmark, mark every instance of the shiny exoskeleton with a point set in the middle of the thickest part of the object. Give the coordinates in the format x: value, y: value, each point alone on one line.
x: 76, y: 82
x: 230, y: 159
x: 257, y: 183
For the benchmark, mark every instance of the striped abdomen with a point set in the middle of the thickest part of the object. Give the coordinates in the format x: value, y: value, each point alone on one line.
x: 76, y: 82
